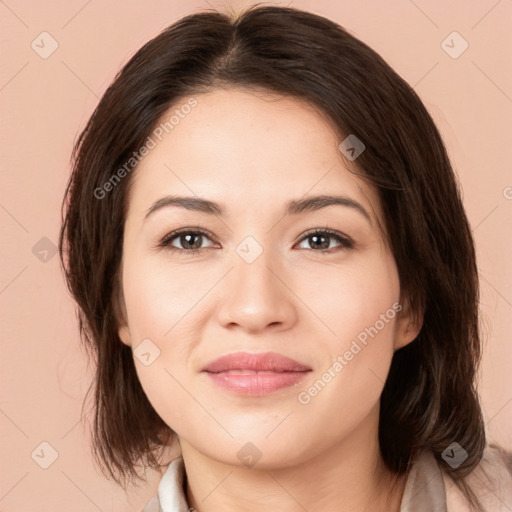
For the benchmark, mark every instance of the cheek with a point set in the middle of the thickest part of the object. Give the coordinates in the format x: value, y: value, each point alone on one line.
x: 162, y: 387
x: 359, y: 306
x: 351, y: 299
x: 157, y: 297
x: 160, y: 304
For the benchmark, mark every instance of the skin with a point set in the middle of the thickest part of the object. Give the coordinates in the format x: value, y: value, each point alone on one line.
x: 252, y: 153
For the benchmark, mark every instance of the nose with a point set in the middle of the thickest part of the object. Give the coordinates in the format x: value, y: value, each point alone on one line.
x: 256, y: 296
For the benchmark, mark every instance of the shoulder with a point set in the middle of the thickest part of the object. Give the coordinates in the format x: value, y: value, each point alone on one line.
x: 491, y: 481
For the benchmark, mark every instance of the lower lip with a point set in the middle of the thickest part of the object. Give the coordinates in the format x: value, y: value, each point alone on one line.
x: 256, y: 384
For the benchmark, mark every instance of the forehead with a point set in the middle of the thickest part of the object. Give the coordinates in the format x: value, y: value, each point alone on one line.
x: 245, y: 148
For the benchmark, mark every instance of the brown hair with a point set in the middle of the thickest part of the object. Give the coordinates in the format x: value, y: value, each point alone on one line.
x: 430, y: 397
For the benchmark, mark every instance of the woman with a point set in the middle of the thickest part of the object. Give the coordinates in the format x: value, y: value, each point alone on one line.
x: 276, y: 274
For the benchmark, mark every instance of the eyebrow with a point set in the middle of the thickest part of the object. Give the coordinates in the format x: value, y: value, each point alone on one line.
x: 293, y: 207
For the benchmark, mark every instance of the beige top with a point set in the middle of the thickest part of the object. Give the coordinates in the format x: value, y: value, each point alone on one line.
x: 427, y: 489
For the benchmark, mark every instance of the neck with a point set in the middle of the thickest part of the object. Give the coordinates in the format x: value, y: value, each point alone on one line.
x: 348, y: 476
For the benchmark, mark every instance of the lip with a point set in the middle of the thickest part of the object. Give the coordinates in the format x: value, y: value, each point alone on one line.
x: 248, y: 374
x: 264, y: 362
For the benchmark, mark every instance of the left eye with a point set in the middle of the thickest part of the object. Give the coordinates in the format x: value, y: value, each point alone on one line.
x: 318, y: 235
x: 190, y: 240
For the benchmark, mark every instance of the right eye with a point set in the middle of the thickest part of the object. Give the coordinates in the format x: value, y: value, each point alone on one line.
x: 189, y: 239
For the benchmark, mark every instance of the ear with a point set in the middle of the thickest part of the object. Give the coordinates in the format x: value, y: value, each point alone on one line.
x: 123, y: 330
x: 124, y: 335
x: 408, y: 324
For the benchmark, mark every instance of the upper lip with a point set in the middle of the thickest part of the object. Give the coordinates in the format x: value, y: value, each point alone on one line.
x: 268, y: 361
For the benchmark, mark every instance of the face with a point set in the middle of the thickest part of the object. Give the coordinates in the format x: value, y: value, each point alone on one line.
x: 263, y: 277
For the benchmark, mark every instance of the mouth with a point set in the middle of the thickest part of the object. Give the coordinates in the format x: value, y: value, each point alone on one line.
x: 248, y: 374
x: 265, y: 362
x: 257, y: 383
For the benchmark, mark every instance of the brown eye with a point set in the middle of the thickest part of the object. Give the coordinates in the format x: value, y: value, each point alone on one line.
x: 320, y: 240
x: 190, y: 240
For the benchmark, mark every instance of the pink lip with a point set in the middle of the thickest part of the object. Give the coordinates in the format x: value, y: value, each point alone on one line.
x: 265, y: 362
x: 255, y: 374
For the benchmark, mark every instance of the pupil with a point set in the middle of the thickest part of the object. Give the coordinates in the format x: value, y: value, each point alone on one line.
x: 317, y: 237
x: 187, y: 237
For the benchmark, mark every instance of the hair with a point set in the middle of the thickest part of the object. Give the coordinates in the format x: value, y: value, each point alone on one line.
x: 430, y: 397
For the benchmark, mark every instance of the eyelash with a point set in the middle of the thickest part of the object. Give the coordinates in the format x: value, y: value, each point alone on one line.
x: 344, y: 241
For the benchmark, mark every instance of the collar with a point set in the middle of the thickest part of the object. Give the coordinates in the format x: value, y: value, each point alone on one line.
x: 424, y: 490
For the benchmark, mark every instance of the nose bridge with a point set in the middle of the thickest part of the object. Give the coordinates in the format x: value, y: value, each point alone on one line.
x: 253, y: 268
x: 254, y: 292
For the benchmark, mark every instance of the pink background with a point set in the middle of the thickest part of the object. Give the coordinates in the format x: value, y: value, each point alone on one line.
x: 46, y: 102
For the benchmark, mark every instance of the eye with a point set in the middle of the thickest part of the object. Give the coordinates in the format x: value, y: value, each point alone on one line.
x: 190, y: 240
x: 320, y: 240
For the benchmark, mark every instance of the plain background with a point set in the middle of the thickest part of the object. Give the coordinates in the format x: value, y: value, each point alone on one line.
x: 46, y: 102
